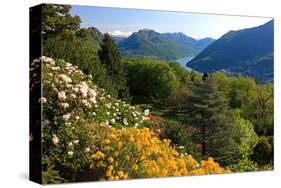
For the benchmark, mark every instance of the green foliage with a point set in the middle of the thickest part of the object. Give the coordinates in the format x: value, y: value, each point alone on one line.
x: 259, y: 110
x: 246, y: 136
x: 247, y: 52
x: 56, y: 19
x: 116, y: 69
x: 51, y: 176
x: 177, y: 99
x: 244, y: 165
x: 263, y: 152
x: 151, y: 78
x: 209, y: 112
x: 179, y: 136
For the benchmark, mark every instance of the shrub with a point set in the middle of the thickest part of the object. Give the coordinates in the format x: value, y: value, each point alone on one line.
x: 263, y: 152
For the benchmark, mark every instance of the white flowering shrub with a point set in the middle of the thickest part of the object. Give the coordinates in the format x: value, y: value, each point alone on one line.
x: 71, y: 102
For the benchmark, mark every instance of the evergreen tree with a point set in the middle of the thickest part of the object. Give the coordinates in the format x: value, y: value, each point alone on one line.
x: 57, y: 19
x: 208, y: 111
x: 110, y: 57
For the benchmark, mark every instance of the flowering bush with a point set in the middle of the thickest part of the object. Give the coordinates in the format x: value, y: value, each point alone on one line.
x: 137, y: 153
x: 89, y: 135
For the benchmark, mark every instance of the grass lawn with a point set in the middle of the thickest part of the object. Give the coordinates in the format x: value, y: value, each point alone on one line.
x: 158, y: 110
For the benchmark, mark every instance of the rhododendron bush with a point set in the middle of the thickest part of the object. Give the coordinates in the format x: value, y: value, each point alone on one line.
x: 89, y: 135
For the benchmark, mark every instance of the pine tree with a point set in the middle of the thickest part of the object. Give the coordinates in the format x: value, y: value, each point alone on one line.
x: 208, y: 111
x: 110, y: 57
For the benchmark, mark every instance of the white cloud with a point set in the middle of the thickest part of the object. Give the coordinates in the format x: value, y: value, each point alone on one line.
x: 120, y: 33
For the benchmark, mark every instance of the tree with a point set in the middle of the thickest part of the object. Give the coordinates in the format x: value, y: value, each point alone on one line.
x: 64, y: 40
x: 259, y: 110
x: 110, y: 57
x: 57, y: 19
x: 246, y: 136
x: 151, y: 78
x: 178, y: 97
x: 209, y: 112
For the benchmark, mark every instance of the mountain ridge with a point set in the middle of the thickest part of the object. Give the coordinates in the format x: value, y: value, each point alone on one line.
x: 243, y: 52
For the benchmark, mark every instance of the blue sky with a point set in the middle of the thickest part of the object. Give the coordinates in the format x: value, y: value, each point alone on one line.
x: 120, y: 21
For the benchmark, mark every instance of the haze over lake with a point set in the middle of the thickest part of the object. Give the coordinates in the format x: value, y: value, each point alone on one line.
x: 183, y: 61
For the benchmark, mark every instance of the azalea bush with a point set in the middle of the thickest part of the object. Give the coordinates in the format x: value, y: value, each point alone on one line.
x: 89, y: 135
x: 138, y: 153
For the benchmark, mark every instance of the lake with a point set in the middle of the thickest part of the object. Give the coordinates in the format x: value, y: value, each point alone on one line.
x: 183, y: 61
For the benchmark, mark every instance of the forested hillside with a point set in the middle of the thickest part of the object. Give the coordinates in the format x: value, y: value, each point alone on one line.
x: 247, y: 52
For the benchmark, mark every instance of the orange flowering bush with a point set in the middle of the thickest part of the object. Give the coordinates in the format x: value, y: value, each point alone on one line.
x: 136, y: 153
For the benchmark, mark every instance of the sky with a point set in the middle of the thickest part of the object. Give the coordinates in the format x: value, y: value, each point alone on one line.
x: 122, y: 22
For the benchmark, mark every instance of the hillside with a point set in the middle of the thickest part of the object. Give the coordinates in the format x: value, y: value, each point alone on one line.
x: 88, y: 135
x: 166, y: 46
x: 247, y: 52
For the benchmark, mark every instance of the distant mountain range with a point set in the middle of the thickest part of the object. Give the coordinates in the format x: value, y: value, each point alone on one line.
x: 247, y: 52
x: 164, y: 46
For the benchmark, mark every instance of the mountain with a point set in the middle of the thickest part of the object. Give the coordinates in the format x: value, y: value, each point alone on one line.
x: 96, y: 34
x: 188, y: 42
x: 118, y: 39
x: 247, y: 52
x: 165, y: 46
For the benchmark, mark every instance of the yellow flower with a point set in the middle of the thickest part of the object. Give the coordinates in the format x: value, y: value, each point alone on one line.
x: 120, y: 174
x: 110, y: 159
x: 115, y: 154
x: 106, y: 141
x: 127, y: 157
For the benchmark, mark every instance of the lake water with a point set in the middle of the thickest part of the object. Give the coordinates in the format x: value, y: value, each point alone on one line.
x: 183, y: 61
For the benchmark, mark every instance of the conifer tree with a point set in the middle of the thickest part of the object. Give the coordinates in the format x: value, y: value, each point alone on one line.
x: 208, y: 111
x: 110, y: 57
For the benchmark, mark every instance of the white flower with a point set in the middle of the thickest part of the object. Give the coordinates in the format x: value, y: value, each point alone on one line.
x: 72, y: 95
x: 70, y: 144
x: 55, y: 68
x: 87, y: 150
x: 64, y: 105
x: 108, y: 113
x: 108, y: 106
x: 55, y: 139
x: 70, y: 153
x: 114, y: 114
x: 94, y: 113
x: 92, y: 92
x: 181, y: 147
x: 96, y: 105
x: 76, y: 141
x: 67, y: 123
x: 61, y: 95
x: 108, y: 96
x: 66, y: 117
x: 125, y: 121
x: 65, y: 78
x: 84, y: 89
x: 43, y: 100
x: 146, y: 112
x: 112, y: 121
x: 93, y: 100
x: 116, y: 104
x: 75, y: 89
x: 136, y: 125
x: 77, y: 117
x: 106, y: 122
x: 85, y: 102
